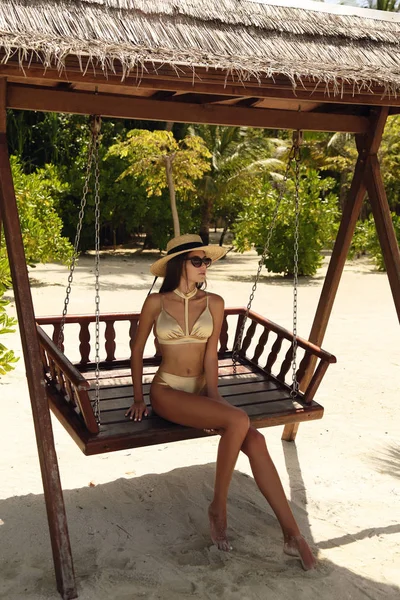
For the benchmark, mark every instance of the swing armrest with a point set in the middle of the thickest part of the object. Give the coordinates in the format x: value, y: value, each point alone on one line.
x: 62, y: 361
x: 72, y: 387
x: 288, y: 335
x: 277, y: 363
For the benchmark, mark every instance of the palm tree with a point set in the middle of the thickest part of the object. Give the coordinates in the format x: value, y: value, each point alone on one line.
x: 237, y: 155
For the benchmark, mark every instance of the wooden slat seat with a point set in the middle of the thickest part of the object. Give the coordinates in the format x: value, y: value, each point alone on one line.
x: 263, y: 395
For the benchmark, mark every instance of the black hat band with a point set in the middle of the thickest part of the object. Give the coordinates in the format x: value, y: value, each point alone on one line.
x: 185, y: 247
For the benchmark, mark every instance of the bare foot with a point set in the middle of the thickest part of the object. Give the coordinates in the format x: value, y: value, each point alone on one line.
x: 297, y: 546
x: 218, y: 529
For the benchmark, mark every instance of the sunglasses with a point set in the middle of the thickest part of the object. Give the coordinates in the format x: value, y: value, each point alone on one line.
x: 197, y: 261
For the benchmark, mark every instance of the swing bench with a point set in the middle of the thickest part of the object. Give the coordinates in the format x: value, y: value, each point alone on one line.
x: 91, y: 396
x: 258, y: 388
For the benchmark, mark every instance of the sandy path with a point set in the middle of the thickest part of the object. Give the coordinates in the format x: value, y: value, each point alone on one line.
x: 141, y: 532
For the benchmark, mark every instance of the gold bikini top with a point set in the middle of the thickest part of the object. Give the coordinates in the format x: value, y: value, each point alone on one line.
x: 168, y: 330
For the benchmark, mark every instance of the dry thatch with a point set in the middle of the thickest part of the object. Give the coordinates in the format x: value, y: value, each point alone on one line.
x: 244, y: 38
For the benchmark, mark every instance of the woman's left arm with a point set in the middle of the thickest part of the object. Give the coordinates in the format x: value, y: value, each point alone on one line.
x: 216, y: 305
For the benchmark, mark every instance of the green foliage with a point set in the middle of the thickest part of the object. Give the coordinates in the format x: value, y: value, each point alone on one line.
x: 158, y: 219
x: 240, y: 156
x: 146, y: 152
x: 317, y: 226
x: 37, y: 196
x: 159, y: 161
x: 41, y: 138
x: 337, y: 154
x: 389, y: 156
x: 365, y: 240
x: 387, y: 5
x: 122, y: 202
x: 7, y: 324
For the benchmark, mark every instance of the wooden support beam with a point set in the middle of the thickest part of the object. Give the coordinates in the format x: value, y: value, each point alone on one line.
x: 206, y: 82
x: 368, y: 145
x: 108, y: 105
x: 195, y: 98
x: 384, y: 226
x: 34, y: 372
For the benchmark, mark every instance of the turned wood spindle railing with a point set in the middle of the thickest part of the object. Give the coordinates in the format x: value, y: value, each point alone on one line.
x: 110, y: 344
x: 74, y: 387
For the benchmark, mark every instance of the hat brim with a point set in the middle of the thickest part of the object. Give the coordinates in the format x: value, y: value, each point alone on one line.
x: 159, y: 268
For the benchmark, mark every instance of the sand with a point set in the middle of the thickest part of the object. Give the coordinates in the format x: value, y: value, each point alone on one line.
x: 137, y: 518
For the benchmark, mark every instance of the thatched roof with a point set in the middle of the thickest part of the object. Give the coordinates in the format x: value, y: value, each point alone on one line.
x: 245, y: 39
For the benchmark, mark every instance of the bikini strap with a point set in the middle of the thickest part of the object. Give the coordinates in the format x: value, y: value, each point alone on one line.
x: 207, y: 298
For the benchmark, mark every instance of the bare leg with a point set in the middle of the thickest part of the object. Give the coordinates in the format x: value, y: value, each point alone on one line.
x: 206, y: 413
x: 269, y: 483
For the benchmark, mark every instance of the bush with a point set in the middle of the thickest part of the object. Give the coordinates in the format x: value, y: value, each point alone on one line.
x: 317, y: 223
x: 7, y: 324
x: 37, y: 195
x: 365, y: 240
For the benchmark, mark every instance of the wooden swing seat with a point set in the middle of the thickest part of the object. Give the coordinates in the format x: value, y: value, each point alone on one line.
x: 259, y: 390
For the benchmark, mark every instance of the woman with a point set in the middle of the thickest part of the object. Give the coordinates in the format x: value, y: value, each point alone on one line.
x: 187, y: 323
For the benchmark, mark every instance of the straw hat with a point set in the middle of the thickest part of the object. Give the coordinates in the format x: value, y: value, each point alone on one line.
x: 181, y: 244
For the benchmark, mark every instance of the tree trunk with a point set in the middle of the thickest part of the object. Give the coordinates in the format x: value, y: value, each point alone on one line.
x: 149, y: 243
x: 223, y: 234
x: 206, y: 211
x: 342, y: 190
x: 171, y: 187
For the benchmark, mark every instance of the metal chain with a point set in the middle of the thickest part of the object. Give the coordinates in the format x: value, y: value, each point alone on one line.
x: 297, y: 159
x: 292, y: 156
x: 75, y: 255
x: 92, y: 164
x: 96, y: 132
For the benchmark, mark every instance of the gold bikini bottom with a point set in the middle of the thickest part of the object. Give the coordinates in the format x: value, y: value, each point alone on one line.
x: 192, y: 385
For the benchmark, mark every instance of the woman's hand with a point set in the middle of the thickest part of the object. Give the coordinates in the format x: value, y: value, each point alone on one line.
x: 137, y: 411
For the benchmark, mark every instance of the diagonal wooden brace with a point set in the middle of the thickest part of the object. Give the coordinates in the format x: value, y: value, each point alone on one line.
x: 368, y: 146
x: 384, y: 226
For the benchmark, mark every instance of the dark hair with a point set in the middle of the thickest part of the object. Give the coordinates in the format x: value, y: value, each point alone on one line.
x: 173, y: 273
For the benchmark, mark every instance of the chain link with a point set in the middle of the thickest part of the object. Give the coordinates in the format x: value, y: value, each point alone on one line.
x: 75, y: 255
x: 294, y: 155
x: 96, y: 128
x: 297, y: 159
x: 92, y: 164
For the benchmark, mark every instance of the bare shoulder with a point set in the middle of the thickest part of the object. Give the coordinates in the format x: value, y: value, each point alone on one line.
x: 152, y: 304
x: 216, y: 301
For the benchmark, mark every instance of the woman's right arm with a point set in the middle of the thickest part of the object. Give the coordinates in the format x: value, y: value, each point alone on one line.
x: 149, y: 312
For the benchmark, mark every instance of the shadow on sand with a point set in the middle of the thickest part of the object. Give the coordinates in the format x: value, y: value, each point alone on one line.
x: 147, y: 537
x: 388, y: 461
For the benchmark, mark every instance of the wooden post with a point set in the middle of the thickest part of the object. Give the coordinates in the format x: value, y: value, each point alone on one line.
x: 368, y: 145
x: 384, y: 226
x: 34, y: 372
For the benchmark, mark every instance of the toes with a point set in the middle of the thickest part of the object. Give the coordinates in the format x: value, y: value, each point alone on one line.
x: 226, y: 546
x: 298, y: 547
x: 223, y: 545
